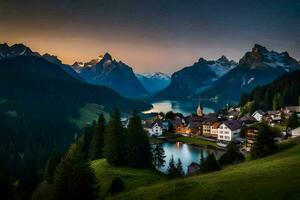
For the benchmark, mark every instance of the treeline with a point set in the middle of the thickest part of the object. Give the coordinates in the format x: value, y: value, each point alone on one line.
x: 284, y: 91
x: 25, y: 145
x: 70, y: 176
x: 37, y: 98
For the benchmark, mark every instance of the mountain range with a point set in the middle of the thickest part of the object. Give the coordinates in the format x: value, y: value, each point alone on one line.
x: 257, y: 67
x: 154, y: 82
x: 222, y: 80
x: 194, y: 79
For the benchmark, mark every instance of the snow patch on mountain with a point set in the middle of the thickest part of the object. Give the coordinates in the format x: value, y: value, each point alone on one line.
x: 221, y: 66
x: 250, y: 80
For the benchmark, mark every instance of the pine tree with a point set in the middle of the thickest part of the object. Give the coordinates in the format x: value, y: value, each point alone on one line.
x: 74, y: 179
x: 86, y: 139
x: 97, y: 143
x: 138, y: 149
x: 114, y: 150
x: 158, y: 156
x: 6, y: 188
x: 179, y: 168
x: 172, y: 168
x: 276, y: 101
x: 293, y: 121
x: 29, y: 180
x: 264, y: 141
x: 209, y: 164
x: 232, y: 155
x: 51, y: 166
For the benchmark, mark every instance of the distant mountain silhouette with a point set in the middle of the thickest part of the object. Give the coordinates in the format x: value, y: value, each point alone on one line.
x: 195, y: 78
x: 111, y: 73
x: 22, y: 50
x: 154, y: 82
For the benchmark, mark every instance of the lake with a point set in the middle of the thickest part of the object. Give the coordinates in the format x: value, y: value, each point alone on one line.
x: 186, y: 153
x: 186, y: 107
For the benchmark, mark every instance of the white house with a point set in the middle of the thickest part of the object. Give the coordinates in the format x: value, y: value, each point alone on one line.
x: 156, y: 129
x: 258, y: 115
x: 296, y: 132
x: 229, y: 130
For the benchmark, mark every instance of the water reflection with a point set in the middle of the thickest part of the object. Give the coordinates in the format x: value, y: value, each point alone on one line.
x: 186, y: 107
x: 186, y: 153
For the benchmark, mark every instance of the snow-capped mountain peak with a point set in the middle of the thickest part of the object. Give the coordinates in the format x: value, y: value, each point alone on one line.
x: 260, y: 56
x: 221, y: 66
x: 157, y: 75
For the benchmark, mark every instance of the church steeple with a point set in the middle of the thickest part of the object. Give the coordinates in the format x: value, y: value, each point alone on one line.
x: 200, y: 109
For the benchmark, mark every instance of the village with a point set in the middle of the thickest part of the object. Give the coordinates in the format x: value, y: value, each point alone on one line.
x: 218, y: 129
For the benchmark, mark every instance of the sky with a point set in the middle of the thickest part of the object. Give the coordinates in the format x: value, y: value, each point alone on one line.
x: 153, y: 35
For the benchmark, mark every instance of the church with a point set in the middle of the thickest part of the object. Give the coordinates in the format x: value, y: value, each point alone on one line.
x: 200, y: 109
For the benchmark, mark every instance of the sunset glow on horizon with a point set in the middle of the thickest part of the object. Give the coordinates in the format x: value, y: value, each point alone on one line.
x: 149, y: 37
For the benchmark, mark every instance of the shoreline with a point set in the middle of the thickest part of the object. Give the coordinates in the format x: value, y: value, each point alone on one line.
x: 195, y: 142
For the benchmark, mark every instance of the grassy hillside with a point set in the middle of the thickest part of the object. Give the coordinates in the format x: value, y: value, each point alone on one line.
x: 132, y: 178
x: 195, y: 141
x: 274, y: 177
x: 88, y: 113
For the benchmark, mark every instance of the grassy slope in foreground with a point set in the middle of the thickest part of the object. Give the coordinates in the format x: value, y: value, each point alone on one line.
x: 273, y: 177
x: 132, y: 178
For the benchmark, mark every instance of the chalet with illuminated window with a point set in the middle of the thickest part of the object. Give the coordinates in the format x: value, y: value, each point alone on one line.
x: 228, y: 131
x: 214, y: 129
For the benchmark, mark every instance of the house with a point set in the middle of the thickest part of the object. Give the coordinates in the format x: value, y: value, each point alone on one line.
x: 193, y: 169
x: 258, y: 115
x: 291, y: 109
x: 251, y: 133
x: 229, y: 131
x: 125, y: 122
x: 273, y: 117
x: 156, y: 129
x: 233, y: 114
x: 247, y: 120
x: 296, y: 132
x: 206, y: 127
x: 214, y: 129
x: 194, y: 125
x: 177, y: 122
x: 165, y: 125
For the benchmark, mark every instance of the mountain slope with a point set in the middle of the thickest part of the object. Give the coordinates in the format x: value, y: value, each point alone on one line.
x: 284, y: 91
x: 41, y: 109
x: 195, y: 78
x: 154, y: 82
x: 22, y: 50
x: 66, y: 68
x: 258, y: 67
x: 113, y: 74
x: 35, y: 82
x: 273, y: 177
